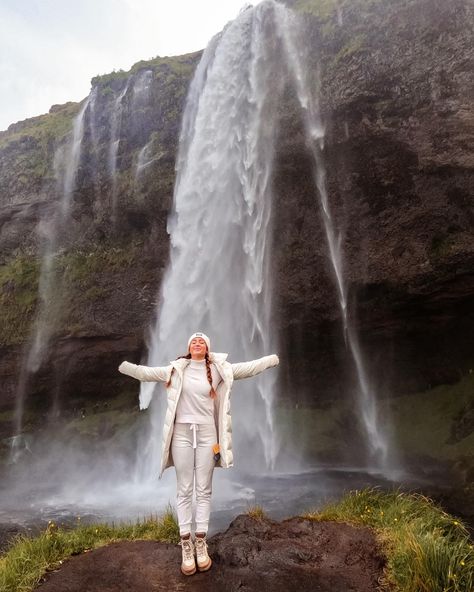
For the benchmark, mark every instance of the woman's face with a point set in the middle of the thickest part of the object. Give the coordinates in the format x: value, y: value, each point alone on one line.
x: 197, y: 348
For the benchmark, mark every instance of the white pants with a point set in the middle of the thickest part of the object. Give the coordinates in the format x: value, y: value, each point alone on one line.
x: 194, y: 462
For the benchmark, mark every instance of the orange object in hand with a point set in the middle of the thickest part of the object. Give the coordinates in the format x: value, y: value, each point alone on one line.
x: 216, y: 450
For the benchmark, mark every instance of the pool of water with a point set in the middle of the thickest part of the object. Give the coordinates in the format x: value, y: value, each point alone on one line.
x: 28, y: 508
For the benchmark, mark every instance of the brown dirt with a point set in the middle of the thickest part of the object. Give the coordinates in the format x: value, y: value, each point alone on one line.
x: 295, y: 554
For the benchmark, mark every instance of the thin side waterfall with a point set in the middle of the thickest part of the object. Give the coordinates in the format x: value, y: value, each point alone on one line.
x: 141, y: 88
x: 144, y: 160
x: 218, y: 279
x: 115, y: 126
x: 291, y: 33
x: 140, y: 95
x: 66, y: 163
x: 95, y: 140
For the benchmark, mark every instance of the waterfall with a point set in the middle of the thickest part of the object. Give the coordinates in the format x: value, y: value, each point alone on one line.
x: 141, y: 88
x: 140, y: 96
x: 218, y: 279
x: 290, y: 31
x: 66, y: 163
x: 115, y: 128
x: 144, y: 160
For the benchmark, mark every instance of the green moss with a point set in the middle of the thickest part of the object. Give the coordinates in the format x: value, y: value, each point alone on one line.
x: 177, y: 65
x: 80, y: 278
x: 352, y: 47
x: 325, y: 10
x: 95, y: 424
x: 18, y: 297
x: 106, y: 79
x: 440, y: 246
x: 7, y: 415
x: 427, y: 424
x: 79, y: 266
x: 322, y: 9
x: 43, y: 129
x: 97, y: 292
x: 183, y: 65
x: 423, y: 422
x: 313, y: 428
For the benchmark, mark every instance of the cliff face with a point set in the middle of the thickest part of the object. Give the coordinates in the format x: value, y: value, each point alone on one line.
x: 397, y: 96
x: 396, y: 86
x: 111, y: 247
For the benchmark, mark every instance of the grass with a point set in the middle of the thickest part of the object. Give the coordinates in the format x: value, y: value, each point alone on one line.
x: 427, y: 549
x: 256, y: 512
x: 28, y: 559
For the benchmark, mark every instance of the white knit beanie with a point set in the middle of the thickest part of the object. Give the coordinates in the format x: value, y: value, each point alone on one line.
x: 202, y: 336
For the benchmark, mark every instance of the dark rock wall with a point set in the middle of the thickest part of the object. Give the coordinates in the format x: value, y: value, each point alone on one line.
x: 397, y: 91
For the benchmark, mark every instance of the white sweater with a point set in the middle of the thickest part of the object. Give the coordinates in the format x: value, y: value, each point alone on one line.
x: 195, y: 404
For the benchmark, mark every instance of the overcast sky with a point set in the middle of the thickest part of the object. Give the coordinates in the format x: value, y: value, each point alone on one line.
x: 50, y: 49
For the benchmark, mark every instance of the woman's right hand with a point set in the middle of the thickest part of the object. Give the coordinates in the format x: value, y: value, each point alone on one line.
x: 126, y: 367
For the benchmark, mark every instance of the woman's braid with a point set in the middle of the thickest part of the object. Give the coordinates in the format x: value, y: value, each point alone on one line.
x: 188, y: 357
x: 213, y: 393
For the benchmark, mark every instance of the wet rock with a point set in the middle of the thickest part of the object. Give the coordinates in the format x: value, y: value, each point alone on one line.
x: 253, y: 554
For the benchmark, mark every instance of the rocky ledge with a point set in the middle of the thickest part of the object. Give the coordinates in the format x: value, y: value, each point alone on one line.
x: 253, y: 554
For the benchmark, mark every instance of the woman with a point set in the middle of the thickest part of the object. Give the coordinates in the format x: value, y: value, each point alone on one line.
x: 197, y: 434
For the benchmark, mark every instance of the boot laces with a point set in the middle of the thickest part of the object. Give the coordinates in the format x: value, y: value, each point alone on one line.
x: 188, y: 550
x: 201, y: 546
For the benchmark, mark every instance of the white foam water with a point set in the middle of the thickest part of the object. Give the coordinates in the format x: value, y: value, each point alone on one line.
x: 218, y: 279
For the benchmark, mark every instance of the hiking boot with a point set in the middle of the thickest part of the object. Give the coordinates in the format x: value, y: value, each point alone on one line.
x: 188, y: 564
x: 204, y: 562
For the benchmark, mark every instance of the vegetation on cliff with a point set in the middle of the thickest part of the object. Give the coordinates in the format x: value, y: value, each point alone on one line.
x: 44, y: 129
x: 78, y: 279
x: 436, y: 423
x: 182, y: 65
x: 18, y: 297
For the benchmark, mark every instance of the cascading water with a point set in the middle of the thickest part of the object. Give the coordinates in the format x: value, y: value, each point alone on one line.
x: 218, y: 278
x: 115, y: 125
x: 290, y: 32
x: 66, y: 164
x: 141, y: 89
x: 140, y: 95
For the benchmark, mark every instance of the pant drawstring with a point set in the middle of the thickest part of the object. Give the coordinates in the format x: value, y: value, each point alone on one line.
x: 194, y: 427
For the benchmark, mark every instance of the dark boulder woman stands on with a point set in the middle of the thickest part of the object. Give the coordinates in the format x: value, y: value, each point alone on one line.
x: 197, y: 434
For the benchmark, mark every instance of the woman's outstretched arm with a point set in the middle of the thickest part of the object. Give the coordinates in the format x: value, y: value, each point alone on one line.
x: 146, y: 373
x: 247, y: 369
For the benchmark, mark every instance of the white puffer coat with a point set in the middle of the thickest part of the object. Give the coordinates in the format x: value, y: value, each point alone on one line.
x: 229, y: 372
